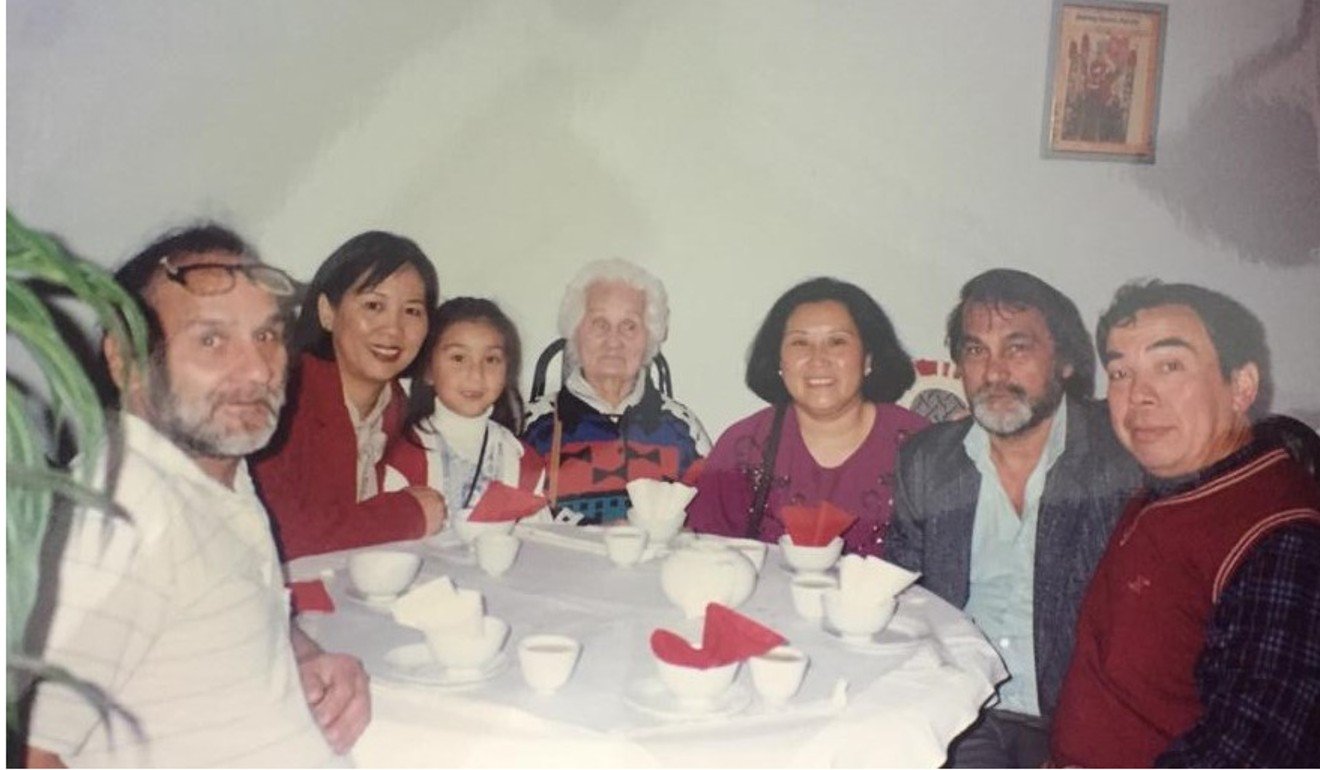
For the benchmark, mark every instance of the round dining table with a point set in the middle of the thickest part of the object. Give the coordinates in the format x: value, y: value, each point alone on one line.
x: 895, y: 701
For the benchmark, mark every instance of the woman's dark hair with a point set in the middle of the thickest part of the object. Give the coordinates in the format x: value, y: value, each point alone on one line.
x: 891, y: 367
x: 1014, y: 289
x: 1236, y: 332
x: 508, y: 409
x: 370, y: 258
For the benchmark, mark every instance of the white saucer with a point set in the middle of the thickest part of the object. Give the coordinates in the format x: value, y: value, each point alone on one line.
x: 414, y: 664
x: 650, y: 696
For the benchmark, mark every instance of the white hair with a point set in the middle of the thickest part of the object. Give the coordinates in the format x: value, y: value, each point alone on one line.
x: 574, y: 305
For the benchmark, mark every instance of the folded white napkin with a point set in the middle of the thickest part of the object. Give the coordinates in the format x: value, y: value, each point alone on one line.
x: 660, y: 499
x: 439, y: 606
x: 871, y: 579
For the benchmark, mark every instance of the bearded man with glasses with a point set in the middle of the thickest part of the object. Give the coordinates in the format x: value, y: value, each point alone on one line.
x: 1007, y: 512
x: 177, y: 611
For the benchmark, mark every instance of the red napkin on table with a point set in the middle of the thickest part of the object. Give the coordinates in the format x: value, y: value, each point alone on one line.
x: 501, y: 502
x: 727, y: 637
x: 815, y: 525
x: 311, y: 596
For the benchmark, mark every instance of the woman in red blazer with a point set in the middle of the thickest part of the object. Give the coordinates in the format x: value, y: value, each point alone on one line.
x: 362, y: 322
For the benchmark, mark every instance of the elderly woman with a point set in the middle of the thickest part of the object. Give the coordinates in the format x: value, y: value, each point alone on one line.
x: 828, y: 361
x: 362, y: 323
x: 608, y: 424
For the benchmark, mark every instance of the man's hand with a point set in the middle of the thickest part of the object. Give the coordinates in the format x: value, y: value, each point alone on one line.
x: 433, y: 507
x: 336, y: 689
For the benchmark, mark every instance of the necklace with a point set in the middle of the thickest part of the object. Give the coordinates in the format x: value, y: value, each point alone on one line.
x: 476, y: 474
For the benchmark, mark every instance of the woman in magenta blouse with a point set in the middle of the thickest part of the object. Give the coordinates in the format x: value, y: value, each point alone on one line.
x: 828, y: 361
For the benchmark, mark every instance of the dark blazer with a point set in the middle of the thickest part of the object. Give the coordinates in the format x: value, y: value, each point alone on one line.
x: 935, y: 505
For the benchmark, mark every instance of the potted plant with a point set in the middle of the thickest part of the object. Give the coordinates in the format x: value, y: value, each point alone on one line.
x: 36, y: 271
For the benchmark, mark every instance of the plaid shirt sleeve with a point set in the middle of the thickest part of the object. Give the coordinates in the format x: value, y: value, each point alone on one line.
x: 1259, y: 675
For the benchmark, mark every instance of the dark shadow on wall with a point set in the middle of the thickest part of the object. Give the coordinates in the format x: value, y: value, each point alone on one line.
x: 1247, y: 171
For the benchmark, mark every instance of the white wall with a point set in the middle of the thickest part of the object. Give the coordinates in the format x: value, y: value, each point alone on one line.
x: 732, y: 147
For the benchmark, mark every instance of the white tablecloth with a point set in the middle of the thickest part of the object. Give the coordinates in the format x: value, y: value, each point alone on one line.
x: 906, y: 697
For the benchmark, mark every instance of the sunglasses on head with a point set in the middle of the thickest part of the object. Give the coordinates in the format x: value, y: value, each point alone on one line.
x: 211, y: 278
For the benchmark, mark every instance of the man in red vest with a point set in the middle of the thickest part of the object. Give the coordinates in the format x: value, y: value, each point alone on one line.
x: 1198, y: 643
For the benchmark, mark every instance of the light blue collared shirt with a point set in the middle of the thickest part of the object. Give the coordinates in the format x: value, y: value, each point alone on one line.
x: 1002, y: 583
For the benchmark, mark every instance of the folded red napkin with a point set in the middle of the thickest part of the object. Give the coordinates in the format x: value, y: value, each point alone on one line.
x: 815, y: 525
x: 311, y: 596
x: 727, y: 637
x: 501, y: 502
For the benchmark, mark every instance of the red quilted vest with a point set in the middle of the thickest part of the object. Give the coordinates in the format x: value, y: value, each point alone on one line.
x: 1130, y: 689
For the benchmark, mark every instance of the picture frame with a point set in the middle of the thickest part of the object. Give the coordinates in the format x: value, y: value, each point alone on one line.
x: 1103, y: 90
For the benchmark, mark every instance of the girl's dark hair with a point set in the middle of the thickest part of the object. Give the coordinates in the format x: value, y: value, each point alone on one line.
x: 508, y: 409
x: 891, y: 367
x: 371, y: 258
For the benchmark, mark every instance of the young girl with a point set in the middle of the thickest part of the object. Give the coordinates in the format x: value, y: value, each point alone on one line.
x: 464, y: 411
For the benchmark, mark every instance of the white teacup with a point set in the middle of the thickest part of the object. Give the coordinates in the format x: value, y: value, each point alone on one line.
x: 808, y: 592
x: 383, y: 574
x: 625, y: 544
x: 547, y: 661
x: 496, y: 552
x: 777, y: 674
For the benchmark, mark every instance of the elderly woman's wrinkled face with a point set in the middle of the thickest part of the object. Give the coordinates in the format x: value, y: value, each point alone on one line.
x: 611, y: 337
x: 821, y: 358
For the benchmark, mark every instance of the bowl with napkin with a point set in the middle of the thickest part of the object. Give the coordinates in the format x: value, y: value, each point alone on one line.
x: 867, y: 596
x: 459, y: 633
x: 500, y: 507
x: 813, y: 538
x: 659, y: 507
x: 697, y: 675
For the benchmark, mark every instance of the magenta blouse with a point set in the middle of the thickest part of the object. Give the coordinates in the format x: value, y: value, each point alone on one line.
x: 862, y: 485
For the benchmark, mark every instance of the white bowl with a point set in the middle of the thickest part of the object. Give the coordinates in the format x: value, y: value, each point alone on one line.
x: 857, y: 619
x: 659, y: 527
x: 810, y: 558
x: 696, y: 686
x: 469, y: 652
x: 469, y: 531
x: 383, y: 574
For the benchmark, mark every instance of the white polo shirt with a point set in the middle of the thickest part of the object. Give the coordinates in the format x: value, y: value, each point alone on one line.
x: 179, y: 613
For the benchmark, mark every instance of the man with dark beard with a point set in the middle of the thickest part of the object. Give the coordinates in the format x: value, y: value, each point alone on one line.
x: 1005, y: 513
x: 177, y: 611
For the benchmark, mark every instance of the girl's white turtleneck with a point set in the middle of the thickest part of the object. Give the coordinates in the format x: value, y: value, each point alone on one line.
x: 462, y: 434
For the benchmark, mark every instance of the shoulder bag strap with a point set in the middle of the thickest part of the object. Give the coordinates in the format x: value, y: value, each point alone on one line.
x: 761, y: 493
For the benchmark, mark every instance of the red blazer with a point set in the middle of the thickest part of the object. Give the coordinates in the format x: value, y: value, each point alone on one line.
x: 308, y: 475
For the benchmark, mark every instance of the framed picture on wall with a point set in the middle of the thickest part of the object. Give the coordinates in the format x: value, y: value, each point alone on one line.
x: 1104, y: 80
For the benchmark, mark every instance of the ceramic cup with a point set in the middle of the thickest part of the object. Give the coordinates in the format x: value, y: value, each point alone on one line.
x: 383, y: 574
x: 777, y: 674
x: 624, y: 544
x: 809, y: 593
x: 496, y: 552
x: 547, y: 661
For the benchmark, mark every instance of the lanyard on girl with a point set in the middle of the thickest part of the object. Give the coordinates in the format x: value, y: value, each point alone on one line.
x: 481, y: 460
